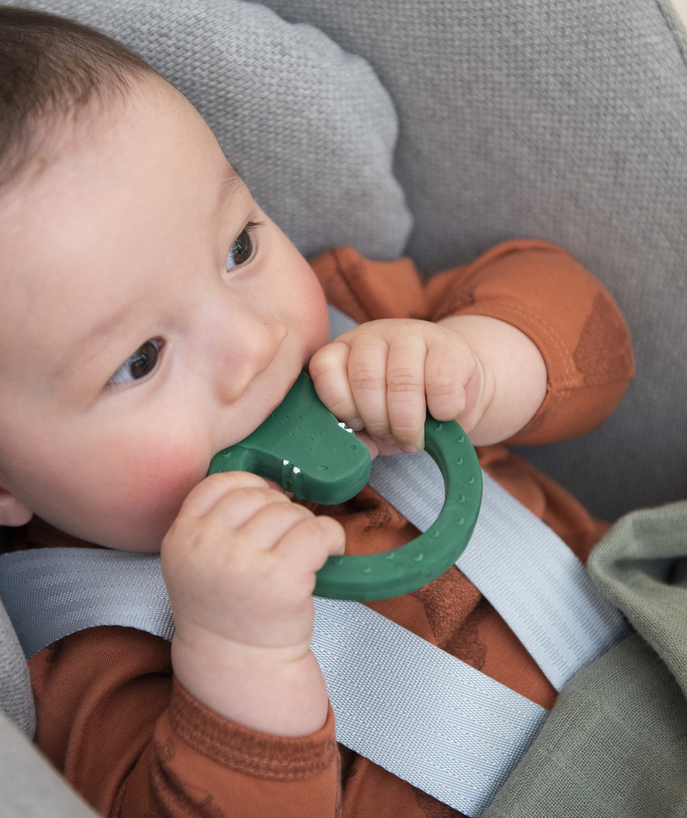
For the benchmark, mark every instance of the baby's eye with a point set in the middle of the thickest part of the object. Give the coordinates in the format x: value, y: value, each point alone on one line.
x: 243, y: 248
x: 138, y: 365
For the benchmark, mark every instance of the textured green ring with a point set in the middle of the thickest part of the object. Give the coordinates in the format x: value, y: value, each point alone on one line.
x: 392, y: 573
x: 307, y: 451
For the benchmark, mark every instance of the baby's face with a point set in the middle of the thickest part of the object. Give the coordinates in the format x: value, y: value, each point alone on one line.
x: 151, y: 315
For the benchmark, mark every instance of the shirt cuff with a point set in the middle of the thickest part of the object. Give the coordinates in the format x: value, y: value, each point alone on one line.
x: 238, y: 748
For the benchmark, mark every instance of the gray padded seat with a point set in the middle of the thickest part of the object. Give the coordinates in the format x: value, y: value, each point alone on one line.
x: 565, y: 121
x: 29, y: 786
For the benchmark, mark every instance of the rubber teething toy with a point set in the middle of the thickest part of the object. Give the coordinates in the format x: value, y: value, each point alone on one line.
x: 304, y: 448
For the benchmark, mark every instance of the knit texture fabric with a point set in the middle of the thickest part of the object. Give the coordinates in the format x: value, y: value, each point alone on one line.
x: 16, y: 700
x: 32, y: 788
x: 559, y: 120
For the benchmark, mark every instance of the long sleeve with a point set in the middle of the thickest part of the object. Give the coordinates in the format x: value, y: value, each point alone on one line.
x: 535, y: 286
x: 134, y: 743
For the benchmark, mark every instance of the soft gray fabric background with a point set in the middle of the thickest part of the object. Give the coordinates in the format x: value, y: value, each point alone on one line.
x: 565, y: 121
x: 29, y: 786
x: 16, y: 699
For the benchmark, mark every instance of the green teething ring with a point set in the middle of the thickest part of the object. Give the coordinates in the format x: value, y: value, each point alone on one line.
x: 307, y: 451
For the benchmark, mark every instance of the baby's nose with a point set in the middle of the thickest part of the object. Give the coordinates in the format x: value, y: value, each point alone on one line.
x: 246, y: 352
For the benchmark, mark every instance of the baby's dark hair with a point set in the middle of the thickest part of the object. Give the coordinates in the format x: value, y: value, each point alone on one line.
x: 52, y: 68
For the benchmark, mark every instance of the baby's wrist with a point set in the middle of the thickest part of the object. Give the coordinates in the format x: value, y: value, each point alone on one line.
x: 208, y: 646
x: 277, y: 690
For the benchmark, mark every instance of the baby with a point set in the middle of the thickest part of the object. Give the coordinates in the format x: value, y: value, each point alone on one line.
x: 152, y: 315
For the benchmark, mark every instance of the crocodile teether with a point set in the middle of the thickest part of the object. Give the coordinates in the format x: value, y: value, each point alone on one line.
x: 306, y: 450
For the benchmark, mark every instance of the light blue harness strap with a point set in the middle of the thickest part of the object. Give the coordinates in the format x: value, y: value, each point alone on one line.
x: 399, y: 700
x: 51, y: 592
x: 521, y: 566
x: 416, y: 710
x: 541, y: 588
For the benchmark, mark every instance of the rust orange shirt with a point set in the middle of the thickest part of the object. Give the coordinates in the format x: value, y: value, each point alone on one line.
x: 136, y: 744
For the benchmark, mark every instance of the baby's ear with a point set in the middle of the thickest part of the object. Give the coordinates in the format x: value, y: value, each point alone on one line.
x: 12, y: 512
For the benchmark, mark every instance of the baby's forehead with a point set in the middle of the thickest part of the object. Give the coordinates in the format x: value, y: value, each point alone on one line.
x: 115, y: 207
x: 152, y: 151
x: 75, y: 135
x: 152, y: 116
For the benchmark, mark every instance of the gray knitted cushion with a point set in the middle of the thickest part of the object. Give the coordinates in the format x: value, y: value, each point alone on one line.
x: 309, y: 127
x: 564, y: 120
x: 30, y: 786
x: 16, y: 700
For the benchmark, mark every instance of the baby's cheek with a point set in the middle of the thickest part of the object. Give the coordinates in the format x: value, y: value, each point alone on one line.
x: 160, y: 482
x: 315, y: 318
x: 172, y: 475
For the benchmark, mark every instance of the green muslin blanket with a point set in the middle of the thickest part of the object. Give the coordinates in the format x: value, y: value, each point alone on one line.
x: 615, y: 744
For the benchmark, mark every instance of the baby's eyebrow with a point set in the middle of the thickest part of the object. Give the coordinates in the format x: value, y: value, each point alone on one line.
x: 231, y: 182
x: 91, y: 342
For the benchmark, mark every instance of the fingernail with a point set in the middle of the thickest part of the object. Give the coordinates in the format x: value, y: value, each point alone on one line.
x: 356, y: 424
x: 408, y: 448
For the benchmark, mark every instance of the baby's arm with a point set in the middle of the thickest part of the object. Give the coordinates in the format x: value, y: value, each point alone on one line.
x: 478, y: 370
x: 239, y: 564
x: 534, y: 289
x: 247, y: 729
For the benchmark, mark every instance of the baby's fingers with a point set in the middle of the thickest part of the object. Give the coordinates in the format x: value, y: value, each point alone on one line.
x: 307, y: 545
x: 299, y: 545
x: 215, y: 488
x: 329, y: 370
x: 268, y: 526
x: 453, y: 380
x: 367, y: 373
x: 405, y: 397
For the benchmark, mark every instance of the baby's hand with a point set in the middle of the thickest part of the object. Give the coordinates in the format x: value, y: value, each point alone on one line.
x: 383, y: 376
x: 239, y: 563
